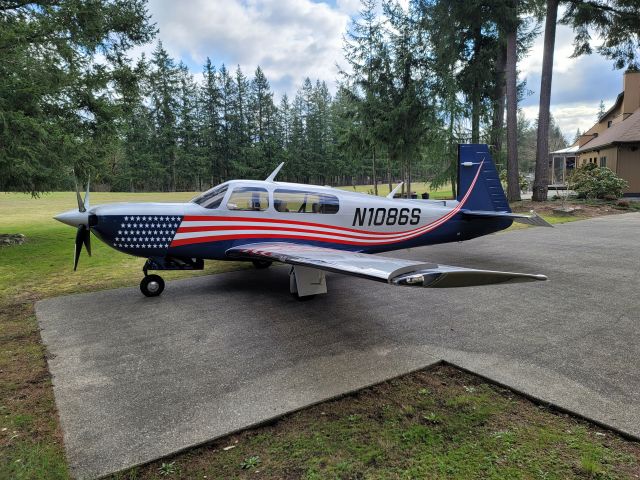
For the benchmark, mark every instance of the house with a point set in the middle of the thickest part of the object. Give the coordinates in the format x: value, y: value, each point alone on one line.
x: 614, y: 141
x: 561, y: 166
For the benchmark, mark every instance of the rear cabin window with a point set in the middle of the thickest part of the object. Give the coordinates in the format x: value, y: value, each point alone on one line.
x: 248, y: 199
x: 296, y: 201
x: 211, y: 198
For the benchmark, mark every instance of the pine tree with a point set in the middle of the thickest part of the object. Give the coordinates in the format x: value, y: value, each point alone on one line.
x: 58, y: 116
x: 601, y: 111
x: 210, y: 122
x: 164, y: 92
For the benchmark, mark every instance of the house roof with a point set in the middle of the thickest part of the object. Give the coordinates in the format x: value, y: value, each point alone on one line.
x: 627, y: 131
x: 615, y: 105
x: 571, y: 149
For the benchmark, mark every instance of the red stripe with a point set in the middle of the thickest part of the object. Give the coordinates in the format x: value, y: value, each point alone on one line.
x: 205, y: 218
x: 260, y: 227
x: 189, y: 241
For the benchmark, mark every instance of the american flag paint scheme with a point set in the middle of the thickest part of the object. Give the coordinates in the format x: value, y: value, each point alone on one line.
x: 313, y: 228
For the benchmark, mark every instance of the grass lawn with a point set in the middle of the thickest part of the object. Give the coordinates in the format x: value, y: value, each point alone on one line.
x: 441, y: 423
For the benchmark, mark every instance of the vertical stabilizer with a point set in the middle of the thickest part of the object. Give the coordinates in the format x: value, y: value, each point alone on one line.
x: 487, y: 194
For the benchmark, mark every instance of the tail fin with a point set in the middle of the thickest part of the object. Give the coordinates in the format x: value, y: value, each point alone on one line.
x: 487, y: 193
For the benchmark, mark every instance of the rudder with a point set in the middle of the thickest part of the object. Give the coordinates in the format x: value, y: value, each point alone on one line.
x: 487, y: 193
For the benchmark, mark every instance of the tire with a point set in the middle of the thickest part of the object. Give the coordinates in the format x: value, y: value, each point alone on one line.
x: 152, y: 285
x: 261, y: 264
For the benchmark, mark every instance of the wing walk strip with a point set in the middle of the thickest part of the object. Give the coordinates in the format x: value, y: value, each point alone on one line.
x: 204, y: 229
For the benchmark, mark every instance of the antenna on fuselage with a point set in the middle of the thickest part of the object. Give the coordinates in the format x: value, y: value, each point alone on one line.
x: 272, y: 177
x: 393, y: 192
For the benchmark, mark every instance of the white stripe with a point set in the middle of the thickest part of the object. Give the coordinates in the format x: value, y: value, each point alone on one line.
x: 269, y: 233
x: 308, y: 234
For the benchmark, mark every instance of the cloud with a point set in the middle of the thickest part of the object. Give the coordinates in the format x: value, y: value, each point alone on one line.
x: 570, y: 116
x: 293, y: 39
x: 578, y: 86
x: 289, y: 39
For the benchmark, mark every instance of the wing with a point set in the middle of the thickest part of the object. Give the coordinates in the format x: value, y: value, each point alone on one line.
x: 395, y: 271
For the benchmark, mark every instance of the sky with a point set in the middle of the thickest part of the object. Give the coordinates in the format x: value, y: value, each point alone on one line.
x: 295, y: 39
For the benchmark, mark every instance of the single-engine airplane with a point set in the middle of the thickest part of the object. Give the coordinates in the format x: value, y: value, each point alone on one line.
x: 312, y: 228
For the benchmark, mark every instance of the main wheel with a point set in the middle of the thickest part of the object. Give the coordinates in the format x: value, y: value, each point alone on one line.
x: 261, y: 264
x: 152, y: 285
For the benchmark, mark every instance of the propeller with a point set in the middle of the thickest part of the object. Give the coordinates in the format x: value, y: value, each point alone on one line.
x: 80, y: 219
x: 83, y: 235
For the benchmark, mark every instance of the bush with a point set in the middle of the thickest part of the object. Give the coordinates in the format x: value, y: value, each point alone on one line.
x: 524, y: 183
x: 591, y: 181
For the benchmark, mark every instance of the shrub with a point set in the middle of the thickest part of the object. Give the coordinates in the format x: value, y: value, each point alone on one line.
x: 591, y: 181
x: 524, y: 183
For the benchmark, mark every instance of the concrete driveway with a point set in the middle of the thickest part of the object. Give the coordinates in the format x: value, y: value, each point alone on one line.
x: 137, y: 378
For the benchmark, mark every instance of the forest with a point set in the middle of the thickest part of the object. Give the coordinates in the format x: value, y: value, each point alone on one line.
x: 414, y: 82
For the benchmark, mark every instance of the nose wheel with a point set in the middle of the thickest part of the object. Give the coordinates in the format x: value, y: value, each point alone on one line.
x: 152, y: 285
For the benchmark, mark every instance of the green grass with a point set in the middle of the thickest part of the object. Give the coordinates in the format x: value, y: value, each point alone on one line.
x: 44, y: 264
x: 436, y: 424
x: 424, y: 425
x: 30, y: 440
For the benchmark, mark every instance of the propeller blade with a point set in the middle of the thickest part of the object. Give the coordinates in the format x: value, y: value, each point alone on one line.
x: 86, y: 197
x: 79, y: 198
x: 87, y: 240
x: 78, y: 248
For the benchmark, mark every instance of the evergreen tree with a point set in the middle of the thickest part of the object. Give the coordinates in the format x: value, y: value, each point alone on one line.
x: 601, y: 111
x: 164, y: 91
x: 210, y: 122
x: 59, y: 116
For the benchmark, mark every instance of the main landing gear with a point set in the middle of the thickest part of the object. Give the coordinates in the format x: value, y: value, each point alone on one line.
x: 261, y: 264
x: 153, y: 285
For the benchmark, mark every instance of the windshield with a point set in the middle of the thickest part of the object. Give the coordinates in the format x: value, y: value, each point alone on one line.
x: 211, y: 198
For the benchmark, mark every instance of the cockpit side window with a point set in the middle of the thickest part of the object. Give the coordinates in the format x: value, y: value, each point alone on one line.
x: 298, y: 201
x: 248, y: 199
x: 211, y: 198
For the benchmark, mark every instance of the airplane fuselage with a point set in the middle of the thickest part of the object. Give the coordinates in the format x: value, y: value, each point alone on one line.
x: 313, y: 215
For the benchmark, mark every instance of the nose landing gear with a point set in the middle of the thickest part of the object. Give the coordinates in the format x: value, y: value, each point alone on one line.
x: 152, y: 285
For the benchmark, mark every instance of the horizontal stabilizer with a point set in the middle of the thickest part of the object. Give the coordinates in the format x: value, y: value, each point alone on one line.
x: 532, y: 219
x: 395, y: 271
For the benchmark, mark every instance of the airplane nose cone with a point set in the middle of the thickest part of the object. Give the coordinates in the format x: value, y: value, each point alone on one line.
x: 73, y: 218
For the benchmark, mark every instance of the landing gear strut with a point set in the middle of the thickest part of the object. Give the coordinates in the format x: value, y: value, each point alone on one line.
x: 152, y: 285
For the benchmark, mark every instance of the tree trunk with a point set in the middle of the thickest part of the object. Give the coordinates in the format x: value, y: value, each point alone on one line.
x: 475, y: 95
x: 541, y: 182
x: 389, y: 173
x: 409, y: 177
x: 497, y: 122
x: 373, y: 172
x: 513, y: 175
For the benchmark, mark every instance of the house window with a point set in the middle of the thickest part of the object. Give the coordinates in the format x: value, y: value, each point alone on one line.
x: 603, y: 161
x: 248, y: 198
x: 296, y: 201
x: 609, y: 124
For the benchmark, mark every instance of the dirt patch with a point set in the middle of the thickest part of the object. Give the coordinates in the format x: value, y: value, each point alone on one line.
x: 10, y: 239
x: 583, y: 209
